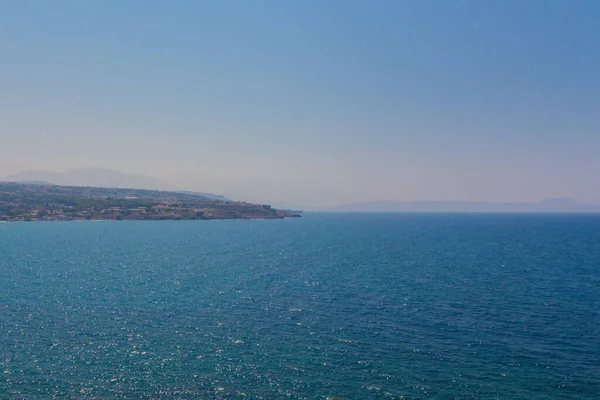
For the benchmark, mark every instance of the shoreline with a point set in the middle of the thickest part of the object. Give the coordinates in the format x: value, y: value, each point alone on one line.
x: 149, y: 219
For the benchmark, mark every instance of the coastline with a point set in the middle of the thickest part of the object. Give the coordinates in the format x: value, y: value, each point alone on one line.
x: 29, y: 202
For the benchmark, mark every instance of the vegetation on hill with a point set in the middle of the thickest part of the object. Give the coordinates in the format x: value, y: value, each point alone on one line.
x: 40, y: 202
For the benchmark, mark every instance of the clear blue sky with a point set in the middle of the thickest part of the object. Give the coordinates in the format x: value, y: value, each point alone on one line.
x: 309, y: 102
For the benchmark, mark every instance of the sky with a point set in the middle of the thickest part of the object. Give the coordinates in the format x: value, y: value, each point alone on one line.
x: 310, y: 103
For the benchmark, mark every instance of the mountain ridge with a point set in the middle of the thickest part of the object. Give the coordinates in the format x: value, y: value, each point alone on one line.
x: 102, y: 177
x: 552, y: 205
x: 96, y: 177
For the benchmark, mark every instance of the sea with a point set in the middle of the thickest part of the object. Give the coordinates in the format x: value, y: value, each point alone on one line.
x: 348, y: 306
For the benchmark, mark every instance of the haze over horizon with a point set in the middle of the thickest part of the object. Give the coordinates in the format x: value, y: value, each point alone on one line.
x: 309, y: 103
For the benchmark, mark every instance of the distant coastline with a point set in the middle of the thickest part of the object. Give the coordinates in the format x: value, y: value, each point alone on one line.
x: 556, y: 205
x: 47, y: 202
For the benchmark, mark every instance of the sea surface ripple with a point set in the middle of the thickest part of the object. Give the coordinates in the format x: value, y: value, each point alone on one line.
x: 354, y: 306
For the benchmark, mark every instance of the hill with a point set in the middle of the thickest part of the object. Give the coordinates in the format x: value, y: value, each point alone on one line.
x: 98, y: 177
x: 101, y: 177
x: 211, y: 196
x: 46, y: 202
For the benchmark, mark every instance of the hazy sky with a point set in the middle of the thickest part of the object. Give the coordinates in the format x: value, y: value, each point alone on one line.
x: 310, y: 102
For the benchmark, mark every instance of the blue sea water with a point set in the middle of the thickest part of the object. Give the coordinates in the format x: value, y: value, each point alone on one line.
x: 355, y: 306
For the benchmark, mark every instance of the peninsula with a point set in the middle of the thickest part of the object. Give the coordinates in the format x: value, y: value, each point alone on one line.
x: 48, y: 202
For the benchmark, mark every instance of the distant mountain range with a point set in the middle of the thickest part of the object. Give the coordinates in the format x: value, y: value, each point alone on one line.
x: 556, y: 205
x: 100, y: 177
x: 107, y: 178
x: 93, y: 177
